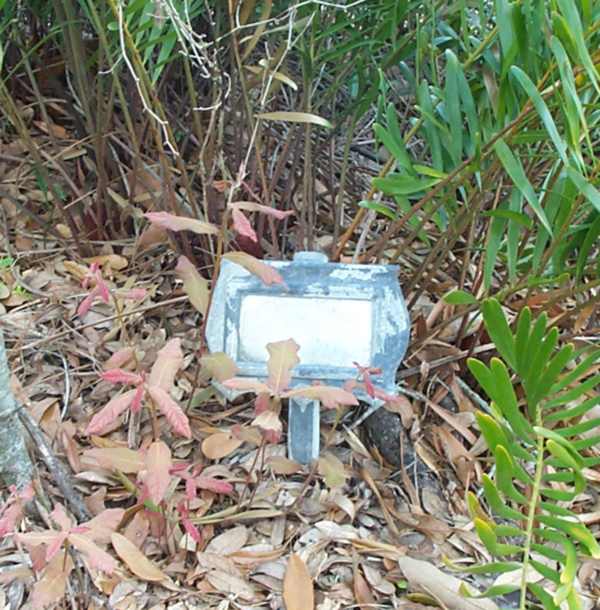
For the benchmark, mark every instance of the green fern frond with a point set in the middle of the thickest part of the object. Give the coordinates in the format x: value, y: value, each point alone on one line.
x: 539, y: 455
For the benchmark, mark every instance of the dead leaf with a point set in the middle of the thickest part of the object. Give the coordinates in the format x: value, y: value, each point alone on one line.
x: 329, y: 396
x: 298, y: 590
x: 219, y: 445
x: 332, y: 470
x: 295, y: 117
x: 219, y: 366
x: 195, y: 286
x: 50, y: 589
x: 114, y: 261
x: 230, y: 541
x: 228, y: 583
x: 137, y: 562
x: 443, y: 587
x: 117, y: 458
x: 269, y: 275
x: 362, y: 592
x: 181, y: 223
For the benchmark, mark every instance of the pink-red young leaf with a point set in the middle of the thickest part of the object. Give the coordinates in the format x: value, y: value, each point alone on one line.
x: 195, y: 286
x: 269, y: 275
x: 171, y: 410
x: 242, y: 225
x: 270, y: 424
x: 104, y: 524
x: 136, y: 403
x: 262, y: 403
x: 212, y: 484
x: 31, y: 540
x: 120, y: 358
x: 168, y: 361
x: 156, y: 476
x: 181, y: 223
x: 136, y: 294
x: 86, y: 305
x: 50, y: 589
x: 107, y: 415
x: 121, y: 376
x: 283, y: 357
x: 247, y: 384
x: 97, y: 557
x: 54, y: 547
x: 251, y: 206
x: 60, y: 517
x: 12, y: 510
x: 330, y: 397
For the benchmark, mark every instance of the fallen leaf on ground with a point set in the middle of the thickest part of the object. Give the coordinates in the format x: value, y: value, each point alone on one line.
x: 443, y: 587
x: 298, y: 589
x: 135, y: 560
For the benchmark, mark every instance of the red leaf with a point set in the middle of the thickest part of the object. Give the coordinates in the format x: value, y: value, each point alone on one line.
x: 251, y: 206
x: 136, y: 403
x: 262, y: 403
x: 329, y: 396
x: 191, y: 529
x: 96, y: 556
x: 269, y: 275
x: 157, y: 475
x: 244, y: 384
x: 168, y: 361
x: 104, y: 524
x: 181, y: 223
x: 60, y: 517
x: 121, y: 376
x: 242, y: 225
x: 107, y: 415
x: 85, y: 305
x: 212, y: 484
x: 54, y: 547
x: 136, y: 294
x: 365, y: 372
x: 119, y: 358
x: 171, y: 410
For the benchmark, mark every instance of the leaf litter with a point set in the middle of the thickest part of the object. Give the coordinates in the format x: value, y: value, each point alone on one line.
x: 193, y: 502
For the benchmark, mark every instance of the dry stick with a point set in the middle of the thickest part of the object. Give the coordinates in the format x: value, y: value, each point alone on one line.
x: 55, y: 466
x: 69, y: 331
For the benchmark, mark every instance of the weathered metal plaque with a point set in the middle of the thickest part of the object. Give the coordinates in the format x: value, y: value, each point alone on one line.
x: 339, y: 314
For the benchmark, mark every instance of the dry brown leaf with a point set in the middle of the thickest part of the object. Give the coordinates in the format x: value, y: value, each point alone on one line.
x: 137, y: 562
x: 443, y: 587
x: 219, y: 366
x: 228, y: 583
x: 220, y: 444
x: 332, y: 470
x: 230, y: 541
x: 282, y: 465
x: 298, y: 589
x: 362, y: 592
x: 114, y: 261
x: 117, y: 458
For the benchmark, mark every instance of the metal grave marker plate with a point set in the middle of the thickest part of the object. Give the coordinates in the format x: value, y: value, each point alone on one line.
x: 337, y: 313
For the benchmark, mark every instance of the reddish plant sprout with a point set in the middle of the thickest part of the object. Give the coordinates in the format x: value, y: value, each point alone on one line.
x: 155, y: 387
x: 365, y: 373
x: 86, y: 538
x: 99, y: 289
x: 188, y: 526
x: 12, y: 510
x: 194, y: 481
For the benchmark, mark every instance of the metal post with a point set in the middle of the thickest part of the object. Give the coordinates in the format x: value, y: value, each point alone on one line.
x: 303, y: 430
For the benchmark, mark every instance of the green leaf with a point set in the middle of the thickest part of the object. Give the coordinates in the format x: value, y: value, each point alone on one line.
x: 517, y: 217
x: 459, y: 297
x: 542, y: 110
x: 517, y: 174
x: 452, y: 108
x: 586, y: 189
x: 379, y: 208
x: 499, y: 330
x: 295, y: 117
x: 398, y: 184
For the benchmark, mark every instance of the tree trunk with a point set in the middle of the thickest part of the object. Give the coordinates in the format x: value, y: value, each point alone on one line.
x: 15, y: 464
